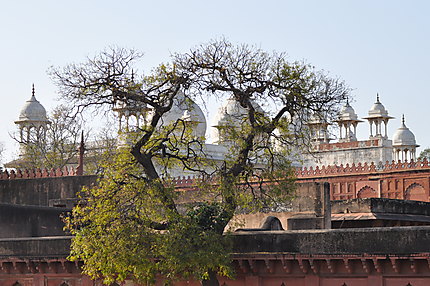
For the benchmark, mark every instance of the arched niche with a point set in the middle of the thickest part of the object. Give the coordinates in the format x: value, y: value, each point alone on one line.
x: 367, y: 192
x: 416, y: 192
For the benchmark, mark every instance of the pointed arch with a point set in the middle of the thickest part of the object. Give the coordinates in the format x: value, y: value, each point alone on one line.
x: 367, y: 192
x: 416, y: 192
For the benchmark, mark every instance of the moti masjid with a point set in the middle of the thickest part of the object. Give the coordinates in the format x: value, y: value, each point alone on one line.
x: 361, y: 215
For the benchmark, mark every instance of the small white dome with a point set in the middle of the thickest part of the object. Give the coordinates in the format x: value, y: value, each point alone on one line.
x: 403, y: 136
x: 230, y: 114
x: 33, y: 111
x: 186, y: 109
x: 377, y: 109
x: 316, y: 119
x: 347, y: 113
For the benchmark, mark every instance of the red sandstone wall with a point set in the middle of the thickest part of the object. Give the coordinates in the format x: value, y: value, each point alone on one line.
x: 269, y: 270
x: 409, y: 181
x: 401, y: 180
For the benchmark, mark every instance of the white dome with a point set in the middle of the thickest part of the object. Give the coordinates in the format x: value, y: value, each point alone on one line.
x: 377, y: 109
x: 33, y: 111
x: 230, y: 114
x: 347, y: 113
x: 403, y: 136
x: 316, y: 119
x: 186, y: 109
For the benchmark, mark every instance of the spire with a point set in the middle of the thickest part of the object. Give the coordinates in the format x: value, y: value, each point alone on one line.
x: 403, y: 121
x: 81, y: 150
x: 377, y: 98
x: 33, y: 93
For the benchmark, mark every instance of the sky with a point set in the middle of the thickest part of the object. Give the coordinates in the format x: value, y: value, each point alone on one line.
x: 374, y: 46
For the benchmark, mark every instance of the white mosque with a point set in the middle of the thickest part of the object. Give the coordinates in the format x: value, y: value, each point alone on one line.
x: 378, y: 148
x: 33, y: 121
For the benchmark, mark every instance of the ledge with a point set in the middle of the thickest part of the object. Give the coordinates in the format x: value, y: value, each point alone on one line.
x: 381, y: 240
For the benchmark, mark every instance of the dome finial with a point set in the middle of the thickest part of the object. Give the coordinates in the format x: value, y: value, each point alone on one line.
x: 377, y: 97
x: 403, y: 136
x: 32, y: 111
x: 347, y: 100
x: 132, y: 75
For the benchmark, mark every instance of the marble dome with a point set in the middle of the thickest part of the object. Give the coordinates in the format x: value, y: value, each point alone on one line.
x: 377, y: 109
x: 186, y: 109
x: 403, y: 136
x: 33, y: 111
x: 230, y: 114
x: 316, y: 119
x: 347, y: 113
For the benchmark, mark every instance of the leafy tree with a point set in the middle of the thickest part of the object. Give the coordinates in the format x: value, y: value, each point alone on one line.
x: 55, y: 148
x: 425, y: 154
x: 100, y: 148
x: 134, y: 223
x: 58, y: 146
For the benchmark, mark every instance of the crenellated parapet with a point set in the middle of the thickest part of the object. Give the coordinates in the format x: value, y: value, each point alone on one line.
x: 37, y: 173
x: 331, y: 170
x: 361, y: 168
x: 190, y: 181
x: 186, y: 180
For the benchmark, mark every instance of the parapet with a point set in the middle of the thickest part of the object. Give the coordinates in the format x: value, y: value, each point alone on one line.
x: 37, y: 173
x: 361, y: 168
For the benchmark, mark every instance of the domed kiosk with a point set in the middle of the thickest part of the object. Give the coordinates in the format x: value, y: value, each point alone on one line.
x: 32, y: 121
x: 186, y: 109
x: 230, y: 115
x: 404, y: 144
x: 376, y: 115
x: 347, y: 119
x: 318, y: 129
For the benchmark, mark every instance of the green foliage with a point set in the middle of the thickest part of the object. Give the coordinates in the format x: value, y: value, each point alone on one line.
x: 134, y: 223
x: 425, y: 154
x: 100, y: 150
x: 55, y: 147
x: 115, y: 236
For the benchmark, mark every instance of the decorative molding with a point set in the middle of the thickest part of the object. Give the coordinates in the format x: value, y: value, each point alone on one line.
x: 332, y: 171
x: 361, y: 168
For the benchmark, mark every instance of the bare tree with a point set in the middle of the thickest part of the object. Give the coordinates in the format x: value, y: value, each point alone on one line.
x: 55, y: 147
x: 100, y: 147
x: 135, y: 210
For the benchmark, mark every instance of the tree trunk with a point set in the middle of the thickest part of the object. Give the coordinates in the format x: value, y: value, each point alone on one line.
x: 212, y: 280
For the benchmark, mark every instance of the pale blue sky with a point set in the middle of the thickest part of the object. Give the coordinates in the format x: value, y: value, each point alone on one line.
x: 375, y: 46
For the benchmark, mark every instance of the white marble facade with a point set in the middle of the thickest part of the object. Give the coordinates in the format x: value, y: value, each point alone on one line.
x: 346, y: 150
x: 378, y: 148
